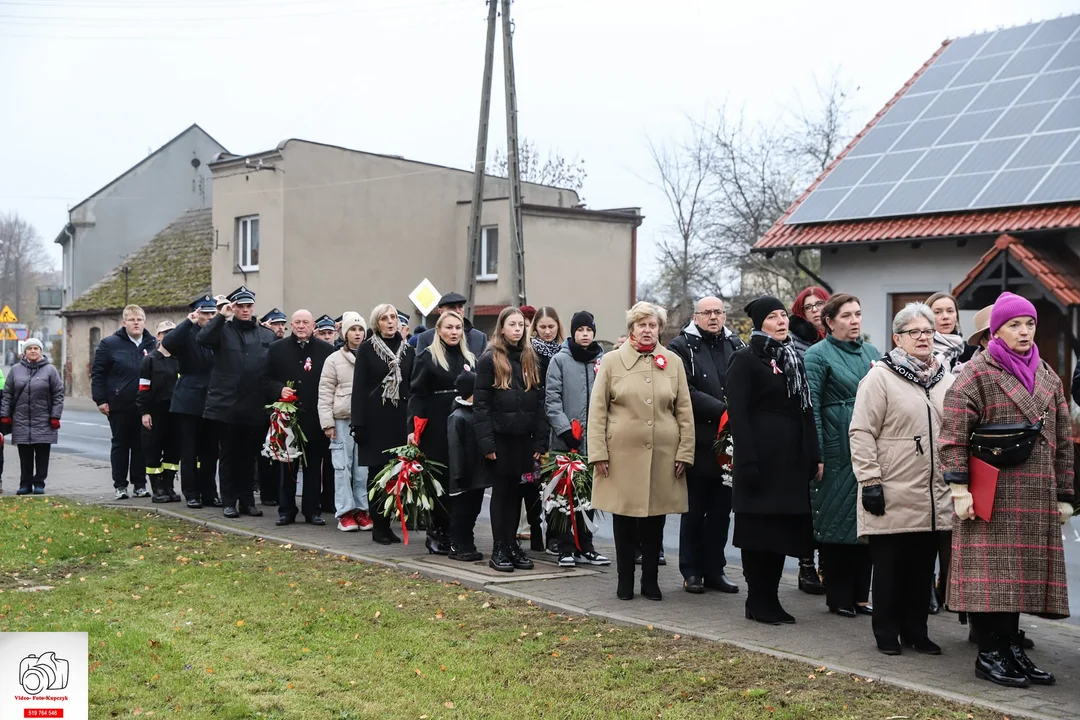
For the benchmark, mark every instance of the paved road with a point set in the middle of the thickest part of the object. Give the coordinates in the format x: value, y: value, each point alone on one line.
x: 86, y: 433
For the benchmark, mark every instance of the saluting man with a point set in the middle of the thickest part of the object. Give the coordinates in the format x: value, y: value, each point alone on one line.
x: 275, y: 320
x: 299, y: 359
x: 198, y: 436
x: 234, y: 400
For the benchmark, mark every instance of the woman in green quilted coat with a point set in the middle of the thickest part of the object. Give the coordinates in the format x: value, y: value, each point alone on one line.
x: 834, y: 368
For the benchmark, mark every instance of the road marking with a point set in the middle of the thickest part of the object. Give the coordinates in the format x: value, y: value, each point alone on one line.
x: 76, y: 422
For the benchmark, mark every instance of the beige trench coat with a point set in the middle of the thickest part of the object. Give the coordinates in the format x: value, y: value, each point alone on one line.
x: 890, y: 413
x: 641, y: 423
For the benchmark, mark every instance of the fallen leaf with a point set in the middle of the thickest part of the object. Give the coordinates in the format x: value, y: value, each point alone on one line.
x: 239, y: 623
x: 554, y: 654
x: 649, y: 627
x: 307, y: 650
x: 448, y: 704
x: 678, y: 636
x: 417, y: 671
x: 820, y: 669
x: 210, y: 670
x: 289, y: 686
x: 137, y: 711
x: 378, y: 614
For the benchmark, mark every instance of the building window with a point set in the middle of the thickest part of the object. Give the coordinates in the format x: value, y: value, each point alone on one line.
x: 489, y: 254
x: 247, y: 243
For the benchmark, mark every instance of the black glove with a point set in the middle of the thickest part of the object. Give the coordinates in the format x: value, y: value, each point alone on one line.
x: 359, y: 433
x: 568, y: 439
x: 873, y: 499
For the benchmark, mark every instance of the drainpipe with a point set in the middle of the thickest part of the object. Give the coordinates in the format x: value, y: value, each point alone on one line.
x: 798, y: 263
x: 69, y: 230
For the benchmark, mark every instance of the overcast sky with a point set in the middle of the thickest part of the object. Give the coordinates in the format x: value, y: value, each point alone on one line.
x: 89, y: 87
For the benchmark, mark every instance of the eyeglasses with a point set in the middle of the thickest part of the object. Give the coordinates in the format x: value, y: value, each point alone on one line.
x: 916, y: 333
x: 711, y: 313
x: 813, y: 306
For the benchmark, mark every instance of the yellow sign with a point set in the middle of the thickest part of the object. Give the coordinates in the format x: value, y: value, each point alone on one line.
x: 425, y: 297
x: 8, y: 333
x: 6, y: 316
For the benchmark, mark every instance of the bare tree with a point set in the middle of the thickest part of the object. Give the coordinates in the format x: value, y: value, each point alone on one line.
x: 23, y: 258
x: 553, y: 169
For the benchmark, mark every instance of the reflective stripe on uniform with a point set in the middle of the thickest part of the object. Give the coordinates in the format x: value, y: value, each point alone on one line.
x: 153, y: 470
x: 169, y: 466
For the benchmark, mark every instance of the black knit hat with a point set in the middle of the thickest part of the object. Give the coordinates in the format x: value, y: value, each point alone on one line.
x: 582, y: 318
x: 465, y: 384
x: 759, y: 309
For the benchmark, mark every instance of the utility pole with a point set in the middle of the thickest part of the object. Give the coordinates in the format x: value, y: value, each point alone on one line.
x: 517, y: 242
x: 480, y: 169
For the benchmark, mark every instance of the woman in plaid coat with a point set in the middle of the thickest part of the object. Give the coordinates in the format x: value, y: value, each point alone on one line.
x: 1014, y: 563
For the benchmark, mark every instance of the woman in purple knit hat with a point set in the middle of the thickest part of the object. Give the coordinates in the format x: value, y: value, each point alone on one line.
x: 1012, y: 563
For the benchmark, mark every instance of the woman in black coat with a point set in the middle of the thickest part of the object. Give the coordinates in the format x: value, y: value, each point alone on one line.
x: 431, y: 395
x: 381, y: 378
x: 776, y: 455
x: 511, y: 429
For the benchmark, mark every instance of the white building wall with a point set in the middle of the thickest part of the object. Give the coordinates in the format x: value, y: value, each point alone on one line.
x: 898, y: 268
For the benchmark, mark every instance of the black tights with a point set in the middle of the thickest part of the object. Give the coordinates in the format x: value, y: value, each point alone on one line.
x: 762, y: 570
x: 505, y: 508
x: 632, y: 532
x: 994, y: 629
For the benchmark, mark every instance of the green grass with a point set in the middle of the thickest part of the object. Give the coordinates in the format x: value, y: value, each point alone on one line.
x: 187, y: 622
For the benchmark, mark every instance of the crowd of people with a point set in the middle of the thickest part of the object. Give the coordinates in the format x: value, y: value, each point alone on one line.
x: 866, y: 458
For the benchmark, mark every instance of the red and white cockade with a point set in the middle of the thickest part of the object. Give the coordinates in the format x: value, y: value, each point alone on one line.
x: 661, y: 361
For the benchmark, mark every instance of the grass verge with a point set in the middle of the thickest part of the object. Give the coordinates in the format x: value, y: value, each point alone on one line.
x: 188, y: 622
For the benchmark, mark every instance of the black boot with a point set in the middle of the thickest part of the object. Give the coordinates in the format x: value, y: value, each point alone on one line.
x: 995, y: 663
x: 381, y: 532
x: 650, y: 588
x: 500, y: 558
x: 625, y: 591
x: 168, y: 481
x: 518, y: 557
x: 434, y: 544
x: 158, y: 488
x: 536, y: 538
x: 1024, y: 664
x: 1025, y: 642
x: 935, y: 605
x: 465, y: 553
x: 809, y: 581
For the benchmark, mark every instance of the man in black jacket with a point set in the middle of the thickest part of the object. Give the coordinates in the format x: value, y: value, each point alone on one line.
x: 198, y: 436
x: 705, y: 345
x: 114, y: 385
x: 299, y: 359
x: 268, y: 473
x: 234, y: 397
x: 475, y: 339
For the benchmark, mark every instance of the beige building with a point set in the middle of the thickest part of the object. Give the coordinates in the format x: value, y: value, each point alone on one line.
x: 328, y: 229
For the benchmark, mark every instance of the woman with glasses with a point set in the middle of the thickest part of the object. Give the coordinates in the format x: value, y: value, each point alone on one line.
x: 903, y: 500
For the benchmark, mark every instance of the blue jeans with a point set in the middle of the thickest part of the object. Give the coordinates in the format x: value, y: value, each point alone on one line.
x: 350, y: 478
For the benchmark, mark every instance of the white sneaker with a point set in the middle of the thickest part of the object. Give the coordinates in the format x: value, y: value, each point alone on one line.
x: 566, y: 560
x: 121, y: 494
x: 142, y: 492
x: 591, y: 557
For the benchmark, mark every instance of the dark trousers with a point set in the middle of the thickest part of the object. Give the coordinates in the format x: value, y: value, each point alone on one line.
x: 198, y: 458
x: 566, y: 538
x: 762, y: 570
x: 703, y: 532
x: 30, y: 456
x: 326, y: 497
x: 239, y: 445
x: 530, y: 495
x: 311, y: 501
x: 943, y: 554
x: 126, y: 455
x: 994, y: 629
x: 847, y: 570
x: 379, y: 521
x: 464, y: 509
x: 161, y: 445
x: 633, y: 532
x: 903, y: 570
x: 505, y: 508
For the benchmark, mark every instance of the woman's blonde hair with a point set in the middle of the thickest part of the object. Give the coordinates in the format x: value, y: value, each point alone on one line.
x: 643, y: 310
x: 547, y: 312
x: 530, y: 367
x: 378, y: 312
x: 438, y: 347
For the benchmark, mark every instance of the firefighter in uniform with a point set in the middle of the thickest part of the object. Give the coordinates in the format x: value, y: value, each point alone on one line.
x: 160, y: 439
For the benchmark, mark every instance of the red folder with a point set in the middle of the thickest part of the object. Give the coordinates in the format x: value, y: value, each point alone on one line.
x: 982, y: 483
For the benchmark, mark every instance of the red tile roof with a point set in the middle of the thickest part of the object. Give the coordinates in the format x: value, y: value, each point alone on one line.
x: 954, y: 224
x: 1056, y: 269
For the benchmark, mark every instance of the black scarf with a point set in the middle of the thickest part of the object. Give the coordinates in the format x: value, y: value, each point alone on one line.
x: 585, y: 354
x: 543, y: 348
x: 782, y: 355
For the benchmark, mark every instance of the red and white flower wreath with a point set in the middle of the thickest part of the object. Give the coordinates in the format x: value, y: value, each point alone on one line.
x: 661, y: 361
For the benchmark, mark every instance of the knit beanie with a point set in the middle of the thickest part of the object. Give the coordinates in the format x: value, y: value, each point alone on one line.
x: 350, y: 320
x: 582, y: 318
x: 1007, y: 307
x: 528, y: 312
x: 759, y: 309
x: 465, y: 384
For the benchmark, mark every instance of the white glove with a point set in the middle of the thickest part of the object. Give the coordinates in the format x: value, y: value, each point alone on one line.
x: 963, y: 503
x: 1066, y: 511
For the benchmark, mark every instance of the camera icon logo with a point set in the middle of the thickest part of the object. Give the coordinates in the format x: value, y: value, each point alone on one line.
x: 38, y: 673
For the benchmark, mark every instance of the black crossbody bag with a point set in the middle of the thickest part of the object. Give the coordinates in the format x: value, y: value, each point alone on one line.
x: 1005, y: 445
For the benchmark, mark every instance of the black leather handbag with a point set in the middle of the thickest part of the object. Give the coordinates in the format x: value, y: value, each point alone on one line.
x: 1005, y: 445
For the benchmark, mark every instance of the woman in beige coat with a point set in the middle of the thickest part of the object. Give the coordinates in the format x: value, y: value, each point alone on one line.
x: 640, y: 440
x: 335, y: 411
x: 903, y: 499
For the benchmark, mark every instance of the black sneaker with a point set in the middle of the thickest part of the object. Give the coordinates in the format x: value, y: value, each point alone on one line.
x: 567, y: 560
x: 39, y: 489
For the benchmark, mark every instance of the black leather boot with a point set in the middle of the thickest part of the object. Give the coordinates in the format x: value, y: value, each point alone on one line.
x: 625, y: 591
x: 168, y: 485
x: 809, y: 580
x: 160, y: 495
x: 995, y: 663
x: 518, y: 558
x: 935, y: 607
x: 1024, y: 664
x: 500, y: 558
x: 650, y: 587
x: 434, y: 544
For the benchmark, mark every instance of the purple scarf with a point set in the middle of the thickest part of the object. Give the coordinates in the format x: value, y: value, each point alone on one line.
x: 1022, y: 367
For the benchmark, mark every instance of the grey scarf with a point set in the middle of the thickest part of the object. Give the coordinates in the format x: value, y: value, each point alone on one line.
x: 391, y: 384
x: 784, y: 357
x: 909, y: 366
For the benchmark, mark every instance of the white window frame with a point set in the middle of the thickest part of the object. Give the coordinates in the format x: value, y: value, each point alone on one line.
x: 483, y: 275
x: 243, y: 240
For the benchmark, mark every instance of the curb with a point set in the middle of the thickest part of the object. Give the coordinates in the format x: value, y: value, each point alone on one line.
x: 506, y: 591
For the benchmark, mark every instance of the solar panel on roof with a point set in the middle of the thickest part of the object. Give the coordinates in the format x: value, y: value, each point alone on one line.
x: 994, y: 121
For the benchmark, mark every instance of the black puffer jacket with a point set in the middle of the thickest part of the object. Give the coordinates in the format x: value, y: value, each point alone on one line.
x: 157, y: 381
x: 235, y: 392
x: 194, y: 365
x: 431, y: 395
x: 705, y: 357
x: 516, y: 411
x: 114, y: 378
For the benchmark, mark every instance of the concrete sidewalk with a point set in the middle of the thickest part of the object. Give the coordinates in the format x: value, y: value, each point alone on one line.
x: 819, y: 638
